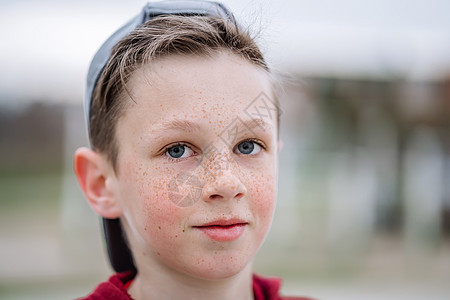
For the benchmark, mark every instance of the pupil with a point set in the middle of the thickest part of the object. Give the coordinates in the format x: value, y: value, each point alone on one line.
x: 176, y: 151
x: 246, y: 147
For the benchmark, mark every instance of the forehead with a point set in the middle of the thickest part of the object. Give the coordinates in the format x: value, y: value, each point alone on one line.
x: 216, y: 87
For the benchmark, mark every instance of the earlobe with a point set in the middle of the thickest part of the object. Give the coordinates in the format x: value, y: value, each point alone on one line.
x: 280, y: 145
x: 93, y: 173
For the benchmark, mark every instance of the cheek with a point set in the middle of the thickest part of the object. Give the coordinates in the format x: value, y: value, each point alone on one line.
x: 162, y: 225
x: 263, y: 193
x: 162, y: 221
x: 160, y: 213
x: 145, y: 198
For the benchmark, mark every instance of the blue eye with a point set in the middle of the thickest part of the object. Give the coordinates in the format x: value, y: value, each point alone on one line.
x: 179, y: 151
x: 248, y: 147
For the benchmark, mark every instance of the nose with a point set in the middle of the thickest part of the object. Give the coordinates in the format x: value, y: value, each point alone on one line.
x: 224, y: 186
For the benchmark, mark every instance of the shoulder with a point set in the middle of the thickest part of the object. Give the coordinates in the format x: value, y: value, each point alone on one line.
x: 265, y: 288
x: 113, y: 288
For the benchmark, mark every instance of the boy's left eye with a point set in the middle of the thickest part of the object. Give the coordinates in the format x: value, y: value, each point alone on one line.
x: 248, y: 148
x: 179, y: 151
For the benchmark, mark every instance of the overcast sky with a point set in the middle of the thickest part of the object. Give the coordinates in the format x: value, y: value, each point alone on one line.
x: 47, y: 45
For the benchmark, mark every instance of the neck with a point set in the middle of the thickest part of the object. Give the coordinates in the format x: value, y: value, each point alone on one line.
x: 152, y: 283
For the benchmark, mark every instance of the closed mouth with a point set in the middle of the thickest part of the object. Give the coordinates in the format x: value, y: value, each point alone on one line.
x: 223, y: 223
x: 223, y: 230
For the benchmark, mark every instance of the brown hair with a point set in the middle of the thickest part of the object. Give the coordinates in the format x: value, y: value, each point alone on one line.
x: 159, y: 37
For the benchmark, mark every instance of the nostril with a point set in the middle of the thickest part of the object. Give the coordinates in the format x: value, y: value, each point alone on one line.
x: 215, y: 196
x: 239, y: 195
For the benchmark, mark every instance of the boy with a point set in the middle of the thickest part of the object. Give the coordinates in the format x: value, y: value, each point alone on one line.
x: 181, y: 168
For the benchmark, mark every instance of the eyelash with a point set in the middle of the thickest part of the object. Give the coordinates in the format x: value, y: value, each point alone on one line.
x: 257, y: 142
x: 172, y: 159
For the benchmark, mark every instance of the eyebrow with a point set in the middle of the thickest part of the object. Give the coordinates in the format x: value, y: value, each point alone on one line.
x: 180, y: 125
x: 189, y: 126
x: 253, y: 123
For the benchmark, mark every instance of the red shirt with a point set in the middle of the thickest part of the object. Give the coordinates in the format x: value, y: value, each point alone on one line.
x: 116, y: 288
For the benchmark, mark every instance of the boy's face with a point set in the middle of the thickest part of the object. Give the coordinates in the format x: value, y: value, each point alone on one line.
x: 197, y: 168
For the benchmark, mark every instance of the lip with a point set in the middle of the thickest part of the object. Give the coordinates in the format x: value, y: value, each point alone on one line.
x: 223, y: 230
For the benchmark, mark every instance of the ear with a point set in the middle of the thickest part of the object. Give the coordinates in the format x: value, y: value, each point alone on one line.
x: 280, y: 145
x: 94, y: 175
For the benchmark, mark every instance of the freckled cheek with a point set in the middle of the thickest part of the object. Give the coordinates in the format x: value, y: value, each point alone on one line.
x: 146, y: 196
x: 263, y: 192
x: 163, y: 228
x: 162, y: 219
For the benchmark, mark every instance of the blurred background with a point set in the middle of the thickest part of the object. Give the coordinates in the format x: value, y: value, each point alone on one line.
x: 364, y: 194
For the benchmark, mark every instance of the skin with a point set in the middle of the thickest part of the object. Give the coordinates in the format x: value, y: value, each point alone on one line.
x: 203, y: 95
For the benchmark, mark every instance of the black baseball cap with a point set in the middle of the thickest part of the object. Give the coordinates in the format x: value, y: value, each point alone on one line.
x: 118, y: 251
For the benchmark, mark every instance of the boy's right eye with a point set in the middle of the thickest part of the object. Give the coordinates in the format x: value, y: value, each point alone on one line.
x: 178, y: 151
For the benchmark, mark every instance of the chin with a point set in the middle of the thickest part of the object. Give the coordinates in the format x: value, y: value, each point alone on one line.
x: 222, y: 267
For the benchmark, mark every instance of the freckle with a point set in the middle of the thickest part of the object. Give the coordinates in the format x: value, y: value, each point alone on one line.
x: 159, y: 227
x: 158, y: 253
x: 183, y: 230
